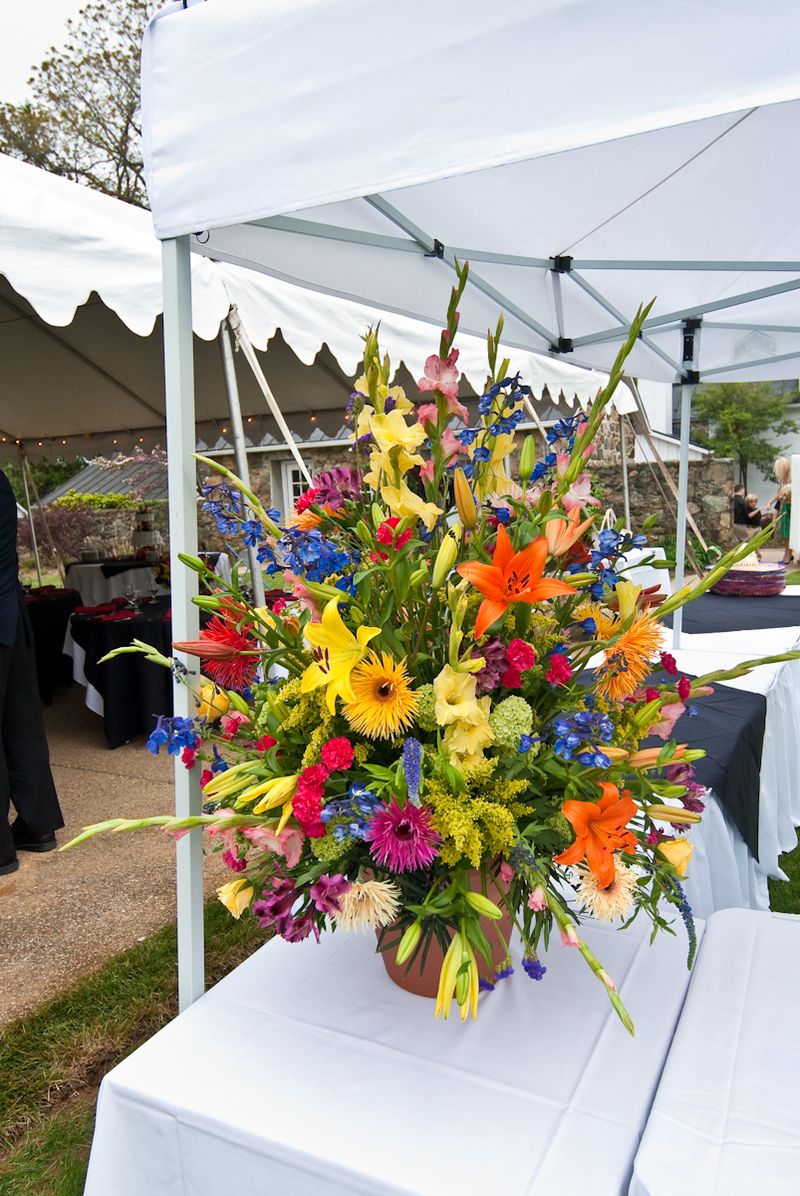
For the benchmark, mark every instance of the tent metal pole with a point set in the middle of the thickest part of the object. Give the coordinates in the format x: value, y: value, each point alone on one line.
x: 626, y: 495
x: 239, y: 448
x: 23, y: 463
x: 683, y: 497
x: 182, y: 478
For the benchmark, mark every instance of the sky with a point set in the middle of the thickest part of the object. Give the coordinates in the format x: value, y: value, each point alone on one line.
x: 27, y: 31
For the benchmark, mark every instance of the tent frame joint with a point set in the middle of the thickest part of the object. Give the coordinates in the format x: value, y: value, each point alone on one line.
x: 562, y: 345
x: 437, y: 251
x: 561, y: 264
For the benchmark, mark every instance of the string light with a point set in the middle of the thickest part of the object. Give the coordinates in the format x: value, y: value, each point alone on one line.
x: 224, y: 431
x: 249, y: 419
x: 312, y: 419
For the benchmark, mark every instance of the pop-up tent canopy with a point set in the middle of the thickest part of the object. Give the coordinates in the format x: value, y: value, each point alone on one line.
x: 82, y: 349
x: 583, y: 155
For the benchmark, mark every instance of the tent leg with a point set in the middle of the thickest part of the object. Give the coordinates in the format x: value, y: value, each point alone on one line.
x: 182, y: 478
x: 239, y: 448
x: 626, y: 494
x: 683, y: 497
x: 23, y: 465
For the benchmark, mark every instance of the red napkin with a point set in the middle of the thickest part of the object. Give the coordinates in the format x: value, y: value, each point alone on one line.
x: 104, y: 608
x: 117, y: 616
x: 119, y: 602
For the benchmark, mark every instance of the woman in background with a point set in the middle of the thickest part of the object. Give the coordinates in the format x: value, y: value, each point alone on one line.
x: 783, y: 502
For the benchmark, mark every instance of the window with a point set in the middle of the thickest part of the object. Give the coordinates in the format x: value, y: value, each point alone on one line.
x: 288, y: 483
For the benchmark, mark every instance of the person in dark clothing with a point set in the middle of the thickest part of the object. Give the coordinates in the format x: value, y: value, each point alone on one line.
x: 739, y: 507
x: 25, y: 777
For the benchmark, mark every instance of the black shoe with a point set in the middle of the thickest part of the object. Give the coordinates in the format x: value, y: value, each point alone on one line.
x: 26, y: 840
x: 8, y: 863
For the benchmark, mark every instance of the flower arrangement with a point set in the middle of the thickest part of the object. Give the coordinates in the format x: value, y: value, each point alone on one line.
x: 434, y: 729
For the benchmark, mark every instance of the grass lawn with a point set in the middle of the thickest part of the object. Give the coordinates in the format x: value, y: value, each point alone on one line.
x: 51, y: 1062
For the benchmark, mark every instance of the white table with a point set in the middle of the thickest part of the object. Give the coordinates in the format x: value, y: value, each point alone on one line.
x: 94, y: 587
x: 632, y: 568
x: 306, y: 1072
x: 726, y: 1118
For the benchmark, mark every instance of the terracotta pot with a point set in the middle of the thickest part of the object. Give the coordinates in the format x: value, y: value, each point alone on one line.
x: 424, y: 982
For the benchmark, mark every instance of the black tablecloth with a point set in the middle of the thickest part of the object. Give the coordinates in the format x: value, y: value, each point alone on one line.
x: 49, y: 616
x: 112, y: 568
x: 729, y: 727
x: 719, y: 612
x: 134, y: 690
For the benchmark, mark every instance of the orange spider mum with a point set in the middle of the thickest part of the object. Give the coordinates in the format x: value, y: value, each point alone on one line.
x: 601, y: 829
x: 628, y: 662
x: 511, y: 577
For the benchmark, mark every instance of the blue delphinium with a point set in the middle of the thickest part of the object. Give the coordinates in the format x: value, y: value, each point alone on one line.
x: 358, y: 808
x: 578, y: 736
x: 412, y: 756
x: 685, y: 911
x: 533, y: 968
x: 174, y: 733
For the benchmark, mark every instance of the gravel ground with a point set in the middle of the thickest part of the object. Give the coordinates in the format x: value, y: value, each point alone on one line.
x: 63, y: 915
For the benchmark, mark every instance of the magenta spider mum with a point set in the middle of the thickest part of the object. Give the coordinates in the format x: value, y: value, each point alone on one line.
x: 403, y: 839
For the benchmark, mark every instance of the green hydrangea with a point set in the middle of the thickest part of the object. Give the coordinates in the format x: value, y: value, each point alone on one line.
x: 510, y: 720
x: 328, y: 851
x: 426, y: 710
x: 561, y: 830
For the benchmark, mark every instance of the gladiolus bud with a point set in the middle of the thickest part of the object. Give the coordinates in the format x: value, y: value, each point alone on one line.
x: 465, y: 503
x: 408, y: 943
x: 237, y: 702
x: 538, y: 899
x: 446, y: 557
x: 417, y: 577
x: 485, y: 907
x: 609, y: 983
x: 527, y: 458
x: 378, y: 515
x: 569, y: 936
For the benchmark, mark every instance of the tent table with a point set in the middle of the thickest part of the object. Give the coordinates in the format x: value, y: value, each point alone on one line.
x: 94, y: 587
x: 307, y: 1071
x: 725, y: 1119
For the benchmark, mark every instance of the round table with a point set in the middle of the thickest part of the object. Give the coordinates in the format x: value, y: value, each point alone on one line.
x: 100, y: 581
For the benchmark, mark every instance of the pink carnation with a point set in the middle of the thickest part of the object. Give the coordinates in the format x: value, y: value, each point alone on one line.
x: 441, y: 375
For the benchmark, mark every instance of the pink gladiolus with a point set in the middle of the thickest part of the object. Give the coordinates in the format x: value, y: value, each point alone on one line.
x: 454, y: 407
x: 426, y: 471
x: 289, y: 843
x: 670, y: 713
x: 303, y: 594
x: 451, y: 444
x: 569, y: 936
x: 506, y: 873
x: 427, y: 413
x: 538, y: 899
x: 579, y: 494
x: 441, y: 375
x: 562, y: 463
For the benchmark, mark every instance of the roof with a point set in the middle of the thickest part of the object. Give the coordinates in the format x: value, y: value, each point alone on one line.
x: 145, y: 480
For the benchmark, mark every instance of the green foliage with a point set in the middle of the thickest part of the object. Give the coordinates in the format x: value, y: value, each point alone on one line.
x: 46, y: 474
x: 95, y: 502
x: 742, y: 420
x: 83, y: 118
x: 703, y: 556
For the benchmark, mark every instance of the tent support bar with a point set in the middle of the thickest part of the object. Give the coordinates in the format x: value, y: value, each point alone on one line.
x: 239, y: 450
x: 752, y: 327
x: 744, y: 365
x: 626, y: 494
x: 729, y: 267
x: 475, y: 280
x: 690, y: 313
x: 609, y: 307
x: 336, y: 232
x: 691, y: 362
x: 23, y: 464
x: 182, y: 477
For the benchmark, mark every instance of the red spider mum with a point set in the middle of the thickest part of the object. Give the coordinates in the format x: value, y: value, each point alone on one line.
x: 229, y: 654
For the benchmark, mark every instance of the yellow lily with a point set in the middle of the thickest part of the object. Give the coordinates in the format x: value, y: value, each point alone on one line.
x: 627, y: 592
x: 273, y: 792
x: 336, y: 653
x: 447, y: 977
x: 236, y: 896
x: 404, y: 502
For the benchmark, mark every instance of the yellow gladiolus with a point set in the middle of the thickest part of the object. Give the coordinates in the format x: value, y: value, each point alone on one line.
x: 677, y: 852
x: 213, y: 702
x: 402, y: 501
x: 236, y: 896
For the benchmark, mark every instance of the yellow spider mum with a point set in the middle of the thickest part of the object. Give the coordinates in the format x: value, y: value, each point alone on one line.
x: 628, y: 662
x: 383, y: 702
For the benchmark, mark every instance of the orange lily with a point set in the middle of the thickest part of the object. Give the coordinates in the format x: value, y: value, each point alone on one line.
x: 600, y: 830
x: 511, y: 577
x: 561, y: 534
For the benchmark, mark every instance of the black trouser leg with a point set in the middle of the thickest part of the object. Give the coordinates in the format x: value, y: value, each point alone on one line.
x: 25, y: 776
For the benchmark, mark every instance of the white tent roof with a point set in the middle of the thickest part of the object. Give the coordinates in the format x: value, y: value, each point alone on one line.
x: 583, y: 154
x: 80, y: 336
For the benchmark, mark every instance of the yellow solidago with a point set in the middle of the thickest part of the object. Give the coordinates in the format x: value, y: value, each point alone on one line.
x: 472, y: 827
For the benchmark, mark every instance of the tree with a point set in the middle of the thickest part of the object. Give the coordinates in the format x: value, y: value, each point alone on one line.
x: 46, y: 474
x: 83, y: 119
x: 739, y: 420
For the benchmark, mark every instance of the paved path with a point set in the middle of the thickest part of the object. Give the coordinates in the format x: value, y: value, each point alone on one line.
x: 62, y: 915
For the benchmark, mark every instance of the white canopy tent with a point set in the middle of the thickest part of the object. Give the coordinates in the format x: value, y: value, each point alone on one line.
x: 583, y: 155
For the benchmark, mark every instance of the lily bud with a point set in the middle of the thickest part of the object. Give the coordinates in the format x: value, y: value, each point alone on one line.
x: 364, y: 534
x: 408, y: 943
x: 213, y: 702
x: 446, y: 557
x: 673, y: 814
x: 465, y: 503
x: 417, y: 577
x: 485, y: 907
x: 378, y: 515
x: 527, y: 458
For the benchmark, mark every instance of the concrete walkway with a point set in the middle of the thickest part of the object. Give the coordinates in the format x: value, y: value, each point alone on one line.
x: 63, y: 915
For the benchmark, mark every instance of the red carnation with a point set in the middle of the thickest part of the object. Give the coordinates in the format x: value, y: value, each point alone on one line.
x: 560, y: 670
x: 669, y: 664
x: 337, y: 754
x: 265, y: 743
x: 307, y: 499
x: 307, y: 807
x: 684, y: 688
x: 520, y: 656
x: 650, y: 695
x: 511, y: 678
x: 386, y: 534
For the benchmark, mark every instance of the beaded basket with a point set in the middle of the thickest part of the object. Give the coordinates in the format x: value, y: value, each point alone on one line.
x: 752, y: 578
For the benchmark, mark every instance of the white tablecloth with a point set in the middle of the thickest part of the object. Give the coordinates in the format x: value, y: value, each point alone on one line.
x: 726, y: 1118
x: 306, y: 1072
x: 644, y: 574
x: 94, y: 587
